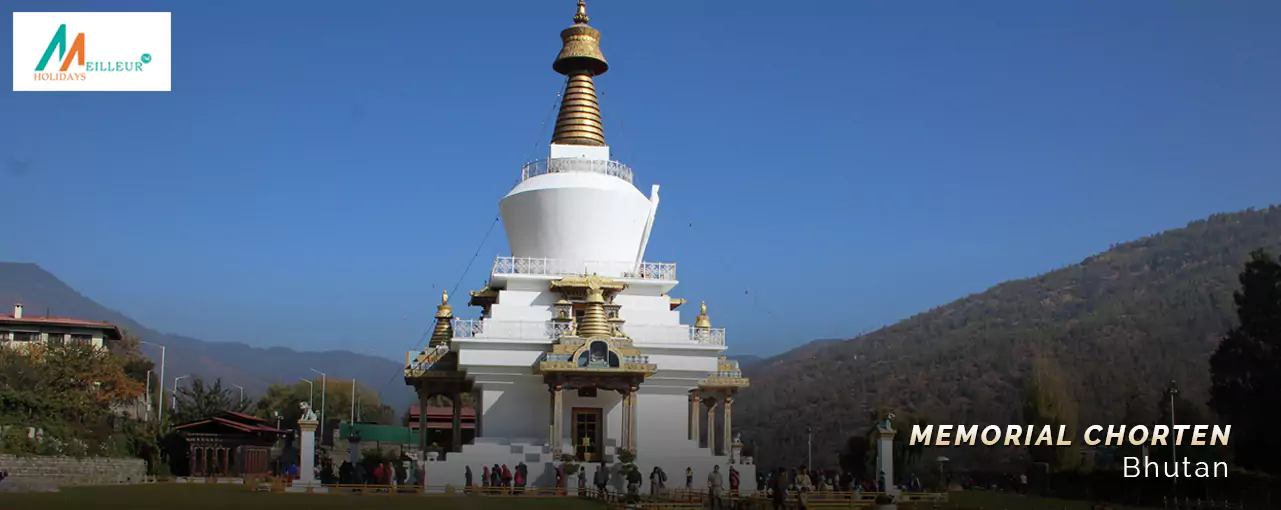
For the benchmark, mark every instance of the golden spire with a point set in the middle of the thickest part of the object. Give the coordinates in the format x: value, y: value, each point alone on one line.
x: 594, y: 324
x: 579, y: 121
x: 444, y: 331
x: 703, y: 321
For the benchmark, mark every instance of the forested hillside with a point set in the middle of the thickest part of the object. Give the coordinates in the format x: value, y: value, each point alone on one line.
x: 1119, y: 325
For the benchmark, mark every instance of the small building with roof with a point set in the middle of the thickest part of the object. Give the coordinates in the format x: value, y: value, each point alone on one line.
x: 225, y: 444
x: 20, y: 328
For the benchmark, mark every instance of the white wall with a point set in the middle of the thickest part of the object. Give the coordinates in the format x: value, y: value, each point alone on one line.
x: 575, y: 216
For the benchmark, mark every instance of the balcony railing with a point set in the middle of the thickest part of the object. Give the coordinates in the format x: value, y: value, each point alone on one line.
x: 552, y: 330
x: 635, y: 360
x: 434, y: 354
x: 527, y: 330
x: 674, y: 334
x: 562, y: 165
x: 560, y: 267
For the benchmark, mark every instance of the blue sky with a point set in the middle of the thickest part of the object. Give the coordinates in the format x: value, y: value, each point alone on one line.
x: 322, y: 169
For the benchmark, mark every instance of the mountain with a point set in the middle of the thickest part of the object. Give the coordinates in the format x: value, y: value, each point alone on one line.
x: 254, y: 368
x: 1120, y: 324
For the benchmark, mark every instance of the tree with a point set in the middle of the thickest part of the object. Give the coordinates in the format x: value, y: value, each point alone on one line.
x: 1138, y: 411
x: 855, y: 457
x: 284, y: 399
x: 199, y: 401
x: 66, y: 390
x: 1245, y: 370
x: 1046, y: 402
x: 129, y: 350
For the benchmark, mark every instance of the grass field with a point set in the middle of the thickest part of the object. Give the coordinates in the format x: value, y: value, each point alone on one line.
x: 231, y: 497
x: 237, y: 497
x: 983, y: 500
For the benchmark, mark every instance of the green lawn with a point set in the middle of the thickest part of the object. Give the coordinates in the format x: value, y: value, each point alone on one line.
x: 232, y: 497
x: 983, y: 500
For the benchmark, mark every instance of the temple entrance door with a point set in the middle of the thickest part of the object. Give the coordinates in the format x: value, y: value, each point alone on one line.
x: 587, y: 433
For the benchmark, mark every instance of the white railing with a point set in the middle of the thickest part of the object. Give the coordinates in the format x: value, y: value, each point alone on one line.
x: 710, y: 336
x: 561, y: 165
x: 561, y: 267
x: 635, y: 360
x: 434, y: 354
x: 682, y: 333
x: 519, y: 330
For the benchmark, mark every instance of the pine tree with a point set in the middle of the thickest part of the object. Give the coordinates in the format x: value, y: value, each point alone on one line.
x: 1246, y: 368
x: 1046, y: 402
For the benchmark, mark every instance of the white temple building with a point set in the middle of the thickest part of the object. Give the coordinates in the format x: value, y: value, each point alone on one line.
x: 579, y: 350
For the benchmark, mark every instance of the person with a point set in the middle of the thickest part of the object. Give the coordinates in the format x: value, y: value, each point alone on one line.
x: 601, y: 479
x: 582, y: 480
x: 804, y: 484
x: 689, y: 478
x: 519, y: 478
x: 781, y: 484
x: 733, y: 482
x: 507, y: 477
x: 496, y: 477
x: 633, y: 483
x: 378, y: 473
x: 653, y: 482
x: 484, y: 477
x: 467, y: 476
x: 1023, y: 483
x: 880, y: 483
x: 714, y: 483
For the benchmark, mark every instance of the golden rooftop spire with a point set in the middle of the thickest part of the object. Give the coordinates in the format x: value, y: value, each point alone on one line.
x: 579, y: 121
x: 702, y: 321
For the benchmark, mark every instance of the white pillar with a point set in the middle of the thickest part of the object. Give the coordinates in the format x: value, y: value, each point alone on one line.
x: 885, y: 458
x: 711, y: 427
x: 694, y: 403
x: 728, y: 433
x: 307, y: 452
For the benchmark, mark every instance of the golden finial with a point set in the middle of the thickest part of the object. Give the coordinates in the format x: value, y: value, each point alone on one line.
x: 580, y: 58
x: 444, y: 297
x: 702, y: 307
x: 703, y: 321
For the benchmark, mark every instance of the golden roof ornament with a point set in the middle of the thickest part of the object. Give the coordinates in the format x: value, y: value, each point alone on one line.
x: 580, y: 58
x: 443, y: 310
x: 703, y: 321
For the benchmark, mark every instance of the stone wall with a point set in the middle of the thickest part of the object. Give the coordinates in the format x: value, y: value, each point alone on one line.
x: 70, y: 470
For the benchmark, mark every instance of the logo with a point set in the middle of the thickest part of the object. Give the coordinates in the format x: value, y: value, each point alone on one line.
x: 91, y: 51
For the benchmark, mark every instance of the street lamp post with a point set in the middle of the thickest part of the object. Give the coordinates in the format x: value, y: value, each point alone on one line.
x: 242, y: 393
x: 161, y: 411
x: 148, y: 400
x: 1174, y: 390
x: 311, y: 396
x: 175, y: 391
x: 353, y: 401
x: 322, y: 399
x: 809, y: 448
